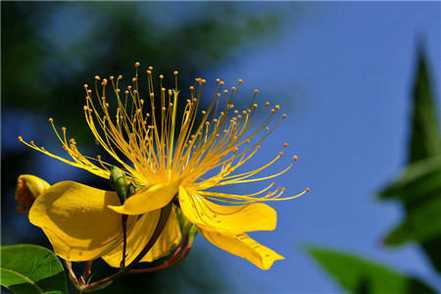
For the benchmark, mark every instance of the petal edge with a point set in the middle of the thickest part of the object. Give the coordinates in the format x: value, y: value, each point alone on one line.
x: 245, y: 247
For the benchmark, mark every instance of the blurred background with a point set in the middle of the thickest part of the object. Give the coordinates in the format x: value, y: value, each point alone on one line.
x: 343, y: 72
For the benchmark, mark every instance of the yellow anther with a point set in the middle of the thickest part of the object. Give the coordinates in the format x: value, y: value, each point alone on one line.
x: 174, y: 142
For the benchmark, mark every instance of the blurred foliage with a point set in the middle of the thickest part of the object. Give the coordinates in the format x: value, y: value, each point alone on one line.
x: 51, y: 48
x: 418, y: 189
x: 30, y: 269
x: 425, y: 141
x: 47, y: 58
x: 358, y: 275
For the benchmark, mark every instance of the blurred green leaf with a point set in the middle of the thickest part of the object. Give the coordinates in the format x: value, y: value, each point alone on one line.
x: 418, y: 180
x: 425, y: 137
x: 358, y: 275
x: 28, y: 269
x: 419, y: 188
x: 420, y: 224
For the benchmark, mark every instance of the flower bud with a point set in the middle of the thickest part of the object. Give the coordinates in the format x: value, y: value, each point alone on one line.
x: 29, y: 187
x: 119, y: 183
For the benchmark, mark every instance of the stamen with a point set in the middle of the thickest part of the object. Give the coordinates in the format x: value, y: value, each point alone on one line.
x: 152, y: 144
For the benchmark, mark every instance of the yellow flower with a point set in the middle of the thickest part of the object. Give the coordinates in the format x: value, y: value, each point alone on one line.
x: 80, y: 227
x: 168, y: 153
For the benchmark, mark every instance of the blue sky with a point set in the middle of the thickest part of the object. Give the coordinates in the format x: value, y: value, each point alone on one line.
x: 348, y: 68
x: 343, y: 72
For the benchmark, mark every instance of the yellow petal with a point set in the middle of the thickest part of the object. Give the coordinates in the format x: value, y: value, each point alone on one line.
x: 137, y: 238
x: 243, y: 246
x: 227, y: 218
x: 76, y: 220
x: 140, y: 234
x: 148, y: 199
x: 29, y: 187
x: 34, y: 184
x: 169, y: 239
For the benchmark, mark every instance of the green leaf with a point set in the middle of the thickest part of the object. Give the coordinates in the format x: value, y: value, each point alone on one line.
x: 419, y: 188
x: 18, y: 283
x: 421, y: 224
x: 417, y: 183
x: 28, y: 269
x: 358, y: 275
x: 425, y: 136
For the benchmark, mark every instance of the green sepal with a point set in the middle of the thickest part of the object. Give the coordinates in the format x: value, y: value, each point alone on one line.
x: 192, y: 233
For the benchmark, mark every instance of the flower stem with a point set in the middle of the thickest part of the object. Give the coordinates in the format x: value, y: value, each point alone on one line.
x: 124, y: 250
